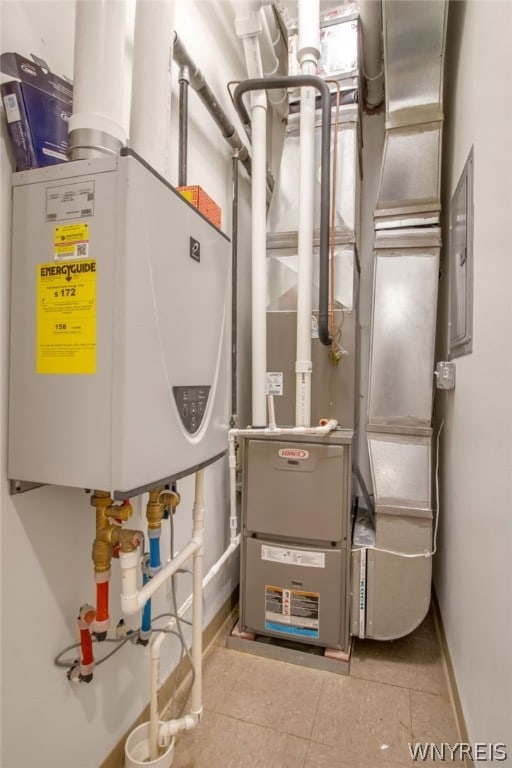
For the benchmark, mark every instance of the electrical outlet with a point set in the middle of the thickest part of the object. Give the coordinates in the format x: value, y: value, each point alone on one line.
x: 445, y: 375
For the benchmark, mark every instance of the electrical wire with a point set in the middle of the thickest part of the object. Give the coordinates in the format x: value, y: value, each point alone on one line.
x: 70, y: 664
x: 427, y: 553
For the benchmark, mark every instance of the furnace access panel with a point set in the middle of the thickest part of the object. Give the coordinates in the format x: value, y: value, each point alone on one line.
x: 120, y: 328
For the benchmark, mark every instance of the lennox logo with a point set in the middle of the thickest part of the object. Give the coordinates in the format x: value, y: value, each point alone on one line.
x: 293, y: 453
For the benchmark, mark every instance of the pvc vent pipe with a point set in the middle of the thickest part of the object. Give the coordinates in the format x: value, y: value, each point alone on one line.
x: 248, y: 27
x: 270, y: 83
x: 150, y: 124
x: 370, y: 13
x: 102, y: 78
x: 308, y: 54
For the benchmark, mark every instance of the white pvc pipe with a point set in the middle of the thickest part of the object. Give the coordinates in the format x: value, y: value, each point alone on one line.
x: 258, y: 224
x: 252, y: 22
x: 307, y: 54
x: 172, y: 727
x: 370, y: 12
x: 101, y: 91
x: 323, y: 429
x: 309, y: 31
x: 150, y: 125
x: 233, y: 519
x: 133, y: 599
x: 197, y: 591
x: 259, y: 264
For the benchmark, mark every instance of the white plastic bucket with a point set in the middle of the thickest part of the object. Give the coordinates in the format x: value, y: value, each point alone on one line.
x: 136, y: 750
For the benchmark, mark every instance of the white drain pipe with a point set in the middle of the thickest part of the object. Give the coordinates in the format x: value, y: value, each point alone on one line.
x: 150, y: 123
x: 248, y: 27
x: 308, y: 54
x: 163, y: 732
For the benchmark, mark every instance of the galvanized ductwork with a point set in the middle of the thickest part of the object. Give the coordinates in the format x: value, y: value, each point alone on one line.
x: 407, y: 246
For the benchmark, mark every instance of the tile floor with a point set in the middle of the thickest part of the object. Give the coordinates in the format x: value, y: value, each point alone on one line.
x: 260, y: 713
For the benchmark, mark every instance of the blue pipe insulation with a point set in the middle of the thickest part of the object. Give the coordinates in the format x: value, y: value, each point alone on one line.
x: 150, y: 567
x: 154, y: 550
x: 146, y: 611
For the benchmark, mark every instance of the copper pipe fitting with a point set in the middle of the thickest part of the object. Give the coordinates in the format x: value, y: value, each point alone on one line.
x: 105, y: 508
x: 155, y: 508
x: 127, y: 539
x: 102, y: 551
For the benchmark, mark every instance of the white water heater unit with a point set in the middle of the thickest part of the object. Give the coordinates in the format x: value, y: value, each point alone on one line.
x: 120, y: 328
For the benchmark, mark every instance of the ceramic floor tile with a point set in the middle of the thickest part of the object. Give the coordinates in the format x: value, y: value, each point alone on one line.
x: 323, y: 756
x: 225, y: 742
x: 433, y: 721
x: 364, y: 720
x: 427, y: 628
x: 411, y: 662
x: 271, y: 693
x: 222, y: 668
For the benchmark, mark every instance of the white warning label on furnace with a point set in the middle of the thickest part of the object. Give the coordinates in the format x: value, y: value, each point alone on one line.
x: 70, y: 201
x: 274, y: 383
x: 293, y: 556
x: 292, y: 611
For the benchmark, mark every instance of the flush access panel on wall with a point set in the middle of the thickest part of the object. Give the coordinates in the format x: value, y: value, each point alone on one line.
x: 120, y: 328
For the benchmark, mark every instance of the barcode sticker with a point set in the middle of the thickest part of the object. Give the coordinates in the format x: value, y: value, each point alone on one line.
x: 71, y: 241
x: 274, y: 383
x: 70, y: 201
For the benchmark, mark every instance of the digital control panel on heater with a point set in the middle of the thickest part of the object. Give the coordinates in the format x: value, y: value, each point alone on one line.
x: 191, y: 403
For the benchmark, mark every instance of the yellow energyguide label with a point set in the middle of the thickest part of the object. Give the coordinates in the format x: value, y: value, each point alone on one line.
x: 66, y: 317
x: 71, y: 241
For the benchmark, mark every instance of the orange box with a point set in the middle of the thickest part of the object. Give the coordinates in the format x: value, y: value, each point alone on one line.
x: 203, y: 202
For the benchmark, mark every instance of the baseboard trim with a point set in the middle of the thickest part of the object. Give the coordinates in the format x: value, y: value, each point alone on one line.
x: 454, y: 691
x: 116, y: 757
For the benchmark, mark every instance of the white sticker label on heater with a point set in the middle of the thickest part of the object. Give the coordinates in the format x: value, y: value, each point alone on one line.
x: 293, y: 612
x: 12, y: 111
x: 70, y: 201
x: 293, y: 556
x: 315, y: 334
x: 274, y: 383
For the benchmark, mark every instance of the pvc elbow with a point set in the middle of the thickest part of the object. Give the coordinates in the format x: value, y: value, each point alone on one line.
x: 130, y: 604
x: 173, y: 727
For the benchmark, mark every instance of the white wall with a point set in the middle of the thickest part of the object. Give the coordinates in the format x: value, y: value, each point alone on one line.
x: 46, y: 535
x: 474, y: 565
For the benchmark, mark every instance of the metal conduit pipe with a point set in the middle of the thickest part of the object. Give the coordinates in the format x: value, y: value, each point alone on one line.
x: 300, y: 81
x: 199, y: 84
x: 234, y: 293
x: 184, y: 81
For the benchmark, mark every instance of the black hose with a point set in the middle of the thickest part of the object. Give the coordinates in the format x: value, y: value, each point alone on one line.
x: 300, y: 81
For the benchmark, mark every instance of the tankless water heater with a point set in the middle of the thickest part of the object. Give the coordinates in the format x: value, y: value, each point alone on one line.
x: 120, y: 332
